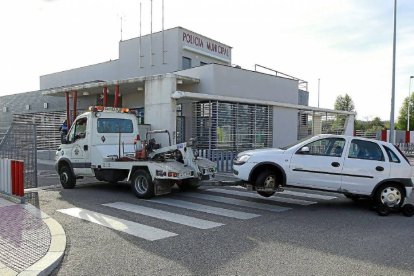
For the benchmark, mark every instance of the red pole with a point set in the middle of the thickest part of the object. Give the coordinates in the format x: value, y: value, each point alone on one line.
x: 75, y: 100
x: 384, y: 135
x: 21, y: 178
x: 116, y: 95
x: 13, y: 177
x: 407, y: 137
x: 67, y: 110
x: 105, y: 99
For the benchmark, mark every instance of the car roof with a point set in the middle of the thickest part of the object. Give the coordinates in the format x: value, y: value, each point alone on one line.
x: 352, y: 137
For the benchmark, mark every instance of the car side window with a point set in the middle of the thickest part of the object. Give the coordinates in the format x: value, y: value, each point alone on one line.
x: 78, y: 130
x: 365, y: 150
x: 325, y: 147
x: 391, y: 155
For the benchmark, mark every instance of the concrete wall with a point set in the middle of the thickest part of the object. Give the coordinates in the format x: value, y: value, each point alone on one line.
x: 129, y: 64
x: 285, y: 126
x: 233, y: 82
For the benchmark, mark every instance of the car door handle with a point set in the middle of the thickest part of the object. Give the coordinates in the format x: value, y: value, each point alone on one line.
x: 85, y: 147
x: 335, y: 164
x: 379, y: 168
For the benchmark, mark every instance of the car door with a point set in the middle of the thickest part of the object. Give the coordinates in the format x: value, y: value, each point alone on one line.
x: 79, y: 150
x: 318, y: 164
x: 364, y: 167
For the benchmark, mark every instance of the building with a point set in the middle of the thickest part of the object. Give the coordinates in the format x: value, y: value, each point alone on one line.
x: 184, y: 82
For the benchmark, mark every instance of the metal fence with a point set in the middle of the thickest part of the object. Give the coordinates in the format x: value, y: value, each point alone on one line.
x: 222, y: 158
x: 19, y: 143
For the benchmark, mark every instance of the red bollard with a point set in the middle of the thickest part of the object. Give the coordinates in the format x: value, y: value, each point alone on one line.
x: 21, y: 178
x: 13, y: 177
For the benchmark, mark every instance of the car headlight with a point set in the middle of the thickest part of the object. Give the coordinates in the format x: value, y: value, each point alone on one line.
x: 240, y: 160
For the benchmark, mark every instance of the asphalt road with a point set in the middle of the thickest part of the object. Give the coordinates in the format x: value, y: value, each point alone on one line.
x: 329, y: 237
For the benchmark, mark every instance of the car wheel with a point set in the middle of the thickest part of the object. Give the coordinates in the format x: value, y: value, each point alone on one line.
x: 383, y: 210
x: 189, y: 184
x: 67, y: 178
x: 142, y: 185
x: 266, y: 179
x: 390, y: 195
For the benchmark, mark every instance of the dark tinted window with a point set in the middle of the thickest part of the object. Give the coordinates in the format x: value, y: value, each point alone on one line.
x: 391, y: 155
x: 186, y: 63
x: 113, y: 125
x: 361, y: 149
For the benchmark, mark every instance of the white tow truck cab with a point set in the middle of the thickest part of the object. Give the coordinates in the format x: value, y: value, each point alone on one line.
x: 105, y: 143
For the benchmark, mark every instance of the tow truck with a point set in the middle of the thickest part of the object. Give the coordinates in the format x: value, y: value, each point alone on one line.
x: 105, y: 143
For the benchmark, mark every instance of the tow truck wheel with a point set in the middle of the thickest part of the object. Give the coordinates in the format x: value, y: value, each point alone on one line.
x: 67, y: 179
x: 266, y: 179
x: 265, y: 194
x: 189, y: 184
x: 142, y: 184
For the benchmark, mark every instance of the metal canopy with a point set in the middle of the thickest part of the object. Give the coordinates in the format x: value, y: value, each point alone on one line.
x: 127, y: 86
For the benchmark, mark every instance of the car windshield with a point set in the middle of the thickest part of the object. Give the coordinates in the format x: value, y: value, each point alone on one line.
x: 296, y: 143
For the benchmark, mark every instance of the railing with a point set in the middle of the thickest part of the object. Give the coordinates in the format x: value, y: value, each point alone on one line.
x: 406, y: 148
x: 19, y: 143
x: 222, y: 158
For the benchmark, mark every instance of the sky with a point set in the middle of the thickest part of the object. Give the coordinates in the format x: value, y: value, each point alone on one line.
x: 347, y: 44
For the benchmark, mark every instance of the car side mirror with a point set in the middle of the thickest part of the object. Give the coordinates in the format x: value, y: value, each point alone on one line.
x: 64, y: 140
x: 304, y: 150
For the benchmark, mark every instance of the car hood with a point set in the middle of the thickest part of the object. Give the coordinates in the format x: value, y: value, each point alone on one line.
x: 263, y: 152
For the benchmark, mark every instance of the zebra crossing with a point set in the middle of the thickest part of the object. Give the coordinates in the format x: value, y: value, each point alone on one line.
x: 228, y: 199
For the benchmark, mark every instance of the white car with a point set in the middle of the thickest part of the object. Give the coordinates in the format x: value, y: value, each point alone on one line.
x: 356, y: 167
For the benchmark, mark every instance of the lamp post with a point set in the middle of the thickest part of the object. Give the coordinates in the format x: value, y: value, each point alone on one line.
x: 392, y: 135
x: 408, y: 104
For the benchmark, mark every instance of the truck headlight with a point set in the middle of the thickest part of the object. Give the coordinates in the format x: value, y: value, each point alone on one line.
x: 240, y: 160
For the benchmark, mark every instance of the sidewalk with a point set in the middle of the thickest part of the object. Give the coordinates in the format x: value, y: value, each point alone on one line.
x: 31, y: 242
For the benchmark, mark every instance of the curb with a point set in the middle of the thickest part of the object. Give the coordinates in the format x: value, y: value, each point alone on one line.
x: 57, y: 247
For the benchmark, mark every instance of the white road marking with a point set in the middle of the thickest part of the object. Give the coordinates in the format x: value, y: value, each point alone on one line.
x: 307, y: 195
x: 238, y: 202
x: 168, y: 216
x: 205, y: 208
x: 132, y: 228
x: 255, y: 195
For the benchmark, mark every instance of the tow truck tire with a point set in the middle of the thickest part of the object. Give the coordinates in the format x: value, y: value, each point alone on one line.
x: 264, y: 179
x: 189, y: 184
x: 142, y: 185
x: 265, y: 194
x: 67, y: 179
x: 408, y: 210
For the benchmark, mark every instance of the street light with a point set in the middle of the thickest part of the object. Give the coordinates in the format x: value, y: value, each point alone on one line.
x: 392, y: 135
x: 408, y: 104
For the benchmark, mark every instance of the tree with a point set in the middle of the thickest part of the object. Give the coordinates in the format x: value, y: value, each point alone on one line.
x: 402, y: 117
x: 344, y: 103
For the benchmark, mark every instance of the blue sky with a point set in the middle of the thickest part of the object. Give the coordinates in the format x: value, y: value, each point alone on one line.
x: 347, y: 44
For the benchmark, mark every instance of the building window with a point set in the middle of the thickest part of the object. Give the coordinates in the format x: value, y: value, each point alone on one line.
x: 186, y: 63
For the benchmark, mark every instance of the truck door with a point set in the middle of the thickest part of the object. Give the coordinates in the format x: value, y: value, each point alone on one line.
x: 79, y: 138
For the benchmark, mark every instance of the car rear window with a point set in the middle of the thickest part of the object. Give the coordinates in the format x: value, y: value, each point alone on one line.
x: 391, y: 155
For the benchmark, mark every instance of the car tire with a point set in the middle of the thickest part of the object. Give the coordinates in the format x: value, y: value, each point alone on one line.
x: 266, y: 179
x: 142, y: 184
x: 66, y: 177
x: 189, y: 184
x: 390, y: 195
